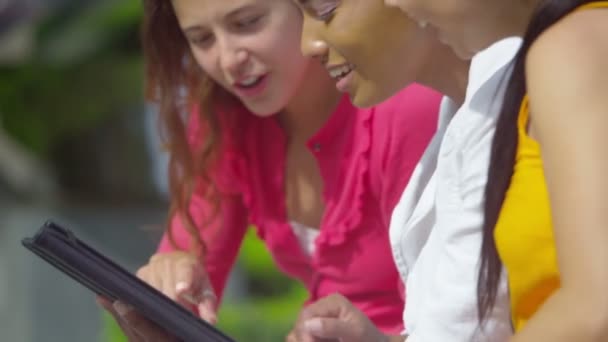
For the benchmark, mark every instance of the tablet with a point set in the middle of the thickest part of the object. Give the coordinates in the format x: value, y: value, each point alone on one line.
x: 61, y: 248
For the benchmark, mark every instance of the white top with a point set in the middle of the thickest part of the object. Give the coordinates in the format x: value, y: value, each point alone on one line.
x: 306, y: 236
x: 436, y: 228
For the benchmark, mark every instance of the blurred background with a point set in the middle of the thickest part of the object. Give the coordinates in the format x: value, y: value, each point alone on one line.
x: 78, y: 144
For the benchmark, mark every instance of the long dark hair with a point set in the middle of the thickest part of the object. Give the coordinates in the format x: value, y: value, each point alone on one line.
x: 504, y: 147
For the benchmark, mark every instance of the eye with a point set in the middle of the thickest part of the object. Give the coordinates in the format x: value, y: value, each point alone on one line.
x: 202, y: 40
x: 249, y: 21
x: 323, y: 9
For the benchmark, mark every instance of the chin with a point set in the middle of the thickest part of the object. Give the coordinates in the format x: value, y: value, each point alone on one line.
x: 262, y: 109
x: 365, y: 98
x: 464, y: 53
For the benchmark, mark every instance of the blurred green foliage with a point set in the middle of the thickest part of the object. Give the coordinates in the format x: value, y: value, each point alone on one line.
x: 86, y: 66
x: 275, y: 303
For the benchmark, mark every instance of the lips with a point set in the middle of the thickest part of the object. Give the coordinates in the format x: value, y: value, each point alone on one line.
x: 251, y: 86
x: 343, y: 75
x: 340, y: 71
x: 249, y: 82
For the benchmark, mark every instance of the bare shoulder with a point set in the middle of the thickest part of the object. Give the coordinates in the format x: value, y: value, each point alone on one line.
x: 576, y: 46
x: 570, y: 59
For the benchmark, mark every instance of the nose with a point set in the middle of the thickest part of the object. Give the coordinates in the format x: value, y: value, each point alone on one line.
x: 233, y: 57
x: 311, y: 44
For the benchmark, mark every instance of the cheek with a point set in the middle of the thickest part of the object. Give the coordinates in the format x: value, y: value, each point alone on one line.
x: 367, y: 49
x: 290, y: 67
x: 209, y: 64
x: 460, y: 13
x: 287, y: 40
x: 280, y: 50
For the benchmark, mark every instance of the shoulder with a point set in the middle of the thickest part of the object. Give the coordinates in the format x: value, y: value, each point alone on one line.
x: 413, y: 101
x: 401, y: 130
x: 572, y: 50
x: 413, y: 109
x: 567, y: 73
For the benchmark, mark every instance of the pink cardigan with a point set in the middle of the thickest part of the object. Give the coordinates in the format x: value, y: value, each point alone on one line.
x: 366, y: 157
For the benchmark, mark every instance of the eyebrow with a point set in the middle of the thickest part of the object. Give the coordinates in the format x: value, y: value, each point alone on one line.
x: 235, y: 12
x: 239, y: 10
x: 313, y: 6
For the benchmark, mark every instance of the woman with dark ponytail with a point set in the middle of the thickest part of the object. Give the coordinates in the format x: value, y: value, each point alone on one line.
x: 545, y: 212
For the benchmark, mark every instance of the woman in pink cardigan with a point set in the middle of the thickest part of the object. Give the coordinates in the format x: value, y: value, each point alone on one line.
x: 273, y: 144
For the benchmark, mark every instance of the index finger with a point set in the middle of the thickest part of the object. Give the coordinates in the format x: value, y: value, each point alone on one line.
x: 330, y: 307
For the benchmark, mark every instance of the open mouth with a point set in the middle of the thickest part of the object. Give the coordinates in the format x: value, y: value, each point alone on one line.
x: 250, y: 82
x: 251, y: 86
x: 339, y: 72
x: 343, y: 75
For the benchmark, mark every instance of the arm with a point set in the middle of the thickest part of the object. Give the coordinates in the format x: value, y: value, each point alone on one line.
x: 568, y: 88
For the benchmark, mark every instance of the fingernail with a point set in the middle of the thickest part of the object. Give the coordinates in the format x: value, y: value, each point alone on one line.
x: 313, y: 325
x: 207, y: 314
x: 121, y: 308
x: 181, y: 286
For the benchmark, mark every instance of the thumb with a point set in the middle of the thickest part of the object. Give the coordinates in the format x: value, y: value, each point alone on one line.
x: 331, y: 328
x: 207, y: 301
x: 194, y: 286
x: 207, y: 305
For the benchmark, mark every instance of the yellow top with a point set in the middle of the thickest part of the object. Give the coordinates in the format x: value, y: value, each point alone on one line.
x: 524, y: 234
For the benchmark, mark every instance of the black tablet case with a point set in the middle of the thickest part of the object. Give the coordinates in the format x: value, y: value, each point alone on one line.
x: 61, y: 248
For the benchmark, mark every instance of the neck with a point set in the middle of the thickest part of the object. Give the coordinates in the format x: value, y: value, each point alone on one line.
x: 446, y: 73
x: 314, y: 102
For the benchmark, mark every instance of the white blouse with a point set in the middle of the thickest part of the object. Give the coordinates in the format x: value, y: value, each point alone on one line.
x: 436, y: 228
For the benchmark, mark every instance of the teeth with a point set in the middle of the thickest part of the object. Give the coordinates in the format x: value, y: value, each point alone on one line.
x: 249, y: 81
x: 341, y: 71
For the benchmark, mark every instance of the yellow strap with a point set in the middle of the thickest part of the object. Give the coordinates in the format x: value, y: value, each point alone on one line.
x: 596, y: 4
x: 522, y: 117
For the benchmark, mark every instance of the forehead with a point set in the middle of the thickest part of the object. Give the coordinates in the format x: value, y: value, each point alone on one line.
x: 191, y: 12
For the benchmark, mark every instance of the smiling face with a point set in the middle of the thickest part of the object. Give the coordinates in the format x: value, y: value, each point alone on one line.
x: 371, y: 50
x: 469, y: 26
x: 249, y: 47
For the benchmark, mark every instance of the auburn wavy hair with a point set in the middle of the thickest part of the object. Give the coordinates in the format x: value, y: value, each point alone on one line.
x: 178, y: 85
